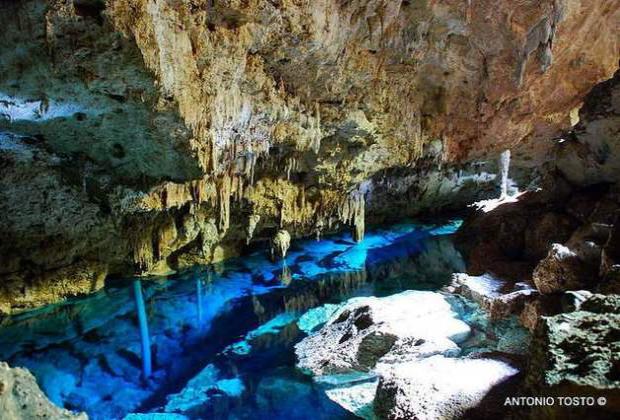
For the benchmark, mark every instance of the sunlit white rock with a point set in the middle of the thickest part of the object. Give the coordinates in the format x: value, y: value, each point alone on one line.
x: 366, y: 329
x: 437, y: 387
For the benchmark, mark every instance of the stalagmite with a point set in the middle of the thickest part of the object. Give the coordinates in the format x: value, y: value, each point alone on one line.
x: 504, y: 167
x: 144, y: 329
x: 280, y: 244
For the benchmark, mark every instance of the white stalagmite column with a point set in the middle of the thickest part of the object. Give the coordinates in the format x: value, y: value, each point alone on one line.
x: 504, y: 168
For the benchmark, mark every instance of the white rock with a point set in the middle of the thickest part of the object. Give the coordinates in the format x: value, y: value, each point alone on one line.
x: 437, y: 387
x: 364, y: 330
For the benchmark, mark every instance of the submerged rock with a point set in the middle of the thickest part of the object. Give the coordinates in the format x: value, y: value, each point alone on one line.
x: 200, y: 389
x: 22, y: 399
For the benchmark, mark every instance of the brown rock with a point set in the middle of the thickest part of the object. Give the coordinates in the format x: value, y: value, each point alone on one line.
x: 562, y: 270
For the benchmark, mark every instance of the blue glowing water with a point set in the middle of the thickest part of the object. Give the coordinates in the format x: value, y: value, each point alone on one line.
x: 221, y: 337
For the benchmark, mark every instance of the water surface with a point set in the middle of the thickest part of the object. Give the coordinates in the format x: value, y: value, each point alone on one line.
x: 217, y: 341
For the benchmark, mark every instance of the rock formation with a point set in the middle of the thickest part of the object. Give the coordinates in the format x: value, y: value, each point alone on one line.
x: 562, y: 240
x: 21, y: 398
x: 139, y: 137
x: 408, y: 355
x: 578, y: 354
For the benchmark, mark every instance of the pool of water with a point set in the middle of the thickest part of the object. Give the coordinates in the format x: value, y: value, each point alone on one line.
x: 217, y: 342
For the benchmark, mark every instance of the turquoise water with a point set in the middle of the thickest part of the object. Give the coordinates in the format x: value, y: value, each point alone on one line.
x: 217, y: 342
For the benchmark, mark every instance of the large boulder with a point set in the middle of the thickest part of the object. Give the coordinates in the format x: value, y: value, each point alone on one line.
x: 437, y: 387
x: 411, y: 324
x: 22, y: 399
x: 578, y: 354
x: 562, y: 269
x: 510, y: 239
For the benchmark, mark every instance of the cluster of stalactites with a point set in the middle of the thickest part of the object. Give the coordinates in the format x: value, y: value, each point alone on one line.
x: 540, y: 38
x: 142, y: 244
x: 153, y: 242
x: 352, y: 212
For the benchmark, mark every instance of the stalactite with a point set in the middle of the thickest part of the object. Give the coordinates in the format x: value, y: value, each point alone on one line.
x: 291, y: 166
x: 540, y: 38
x: 315, y: 129
x: 286, y: 275
x: 142, y: 242
x: 166, y: 235
x: 280, y: 244
x: 504, y: 168
x: 282, y: 213
x: 252, y: 223
x: 209, y: 238
x: 318, y: 228
x: 352, y: 211
x: 224, y: 193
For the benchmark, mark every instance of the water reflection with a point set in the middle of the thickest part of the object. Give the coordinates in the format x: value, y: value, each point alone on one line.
x: 199, y: 301
x: 145, y: 340
x: 236, y: 319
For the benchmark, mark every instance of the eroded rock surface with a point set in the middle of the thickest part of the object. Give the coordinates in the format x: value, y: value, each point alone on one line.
x: 366, y: 330
x: 437, y: 387
x: 21, y: 398
x: 578, y: 353
x: 405, y: 356
x: 498, y: 297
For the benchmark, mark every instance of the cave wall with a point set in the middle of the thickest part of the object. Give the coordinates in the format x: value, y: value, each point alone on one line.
x: 142, y: 136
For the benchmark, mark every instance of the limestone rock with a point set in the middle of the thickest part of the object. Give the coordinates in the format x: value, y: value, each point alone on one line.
x: 590, y: 155
x: 500, y: 298
x: 200, y: 389
x: 510, y: 240
x: 366, y: 331
x: 21, y: 398
x: 561, y: 270
x: 142, y: 115
x: 437, y: 387
x: 543, y: 305
x: 578, y: 353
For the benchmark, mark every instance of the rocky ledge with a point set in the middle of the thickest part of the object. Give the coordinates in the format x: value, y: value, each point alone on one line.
x: 22, y: 399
